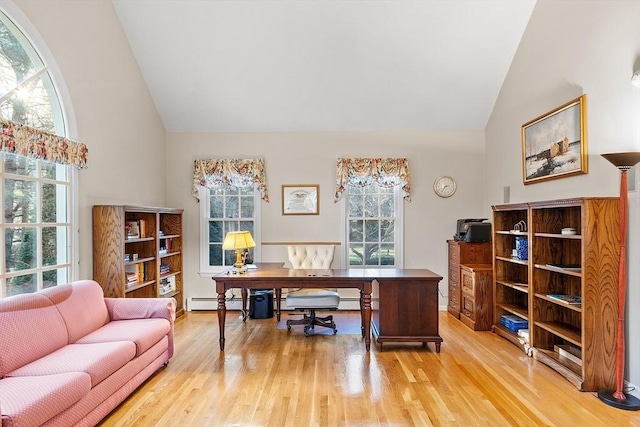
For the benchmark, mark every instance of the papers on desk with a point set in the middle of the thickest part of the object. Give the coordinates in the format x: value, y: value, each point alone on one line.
x: 251, y: 266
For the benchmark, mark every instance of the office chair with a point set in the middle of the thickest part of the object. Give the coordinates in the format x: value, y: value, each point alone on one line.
x: 307, y: 299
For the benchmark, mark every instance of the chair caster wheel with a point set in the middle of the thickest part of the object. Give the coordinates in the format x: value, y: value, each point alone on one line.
x: 288, y: 328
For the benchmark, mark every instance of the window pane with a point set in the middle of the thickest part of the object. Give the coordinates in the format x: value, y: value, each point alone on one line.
x: 246, y: 207
x: 231, y: 208
x: 215, y: 254
x: 19, y: 201
x: 56, y: 277
x: 356, y: 256
x: 54, y: 245
x: 21, y: 246
x: 371, y: 230
x: 387, y: 254
x: 372, y: 254
x: 216, y: 206
x: 215, y: 231
x: 54, y: 203
x: 387, y: 230
x: 356, y: 227
x: 355, y: 205
x: 22, y: 284
x: 371, y: 205
x: 387, y: 206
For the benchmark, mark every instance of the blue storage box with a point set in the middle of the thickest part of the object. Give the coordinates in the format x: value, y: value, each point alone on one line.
x: 513, y: 323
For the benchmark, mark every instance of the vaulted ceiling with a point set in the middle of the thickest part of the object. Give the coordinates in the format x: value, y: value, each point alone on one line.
x: 282, y: 66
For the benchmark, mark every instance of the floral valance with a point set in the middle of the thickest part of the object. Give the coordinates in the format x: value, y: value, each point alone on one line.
x: 38, y: 144
x: 242, y: 173
x: 362, y: 172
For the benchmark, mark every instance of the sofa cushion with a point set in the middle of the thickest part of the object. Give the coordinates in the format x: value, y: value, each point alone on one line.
x: 30, y: 327
x: 99, y: 360
x: 81, y: 305
x: 143, y: 332
x: 30, y: 401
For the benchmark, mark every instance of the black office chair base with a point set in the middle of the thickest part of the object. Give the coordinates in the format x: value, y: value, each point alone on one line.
x: 310, y: 321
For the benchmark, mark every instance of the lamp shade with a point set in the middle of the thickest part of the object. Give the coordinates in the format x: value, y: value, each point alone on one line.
x: 238, y: 240
x: 624, y: 161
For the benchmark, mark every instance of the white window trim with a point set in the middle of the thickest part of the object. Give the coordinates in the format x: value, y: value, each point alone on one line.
x: 399, y: 230
x: 207, y: 271
x: 15, y: 14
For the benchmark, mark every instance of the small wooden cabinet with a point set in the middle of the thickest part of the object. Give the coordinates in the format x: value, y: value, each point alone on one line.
x: 137, y: 252
x: 463, y: 253
x: 476, y: 282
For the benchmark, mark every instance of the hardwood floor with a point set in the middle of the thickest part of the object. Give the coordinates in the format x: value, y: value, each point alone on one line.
x: 267, y: 377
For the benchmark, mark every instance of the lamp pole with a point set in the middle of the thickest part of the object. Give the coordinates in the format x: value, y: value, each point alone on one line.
x: 617, y: 397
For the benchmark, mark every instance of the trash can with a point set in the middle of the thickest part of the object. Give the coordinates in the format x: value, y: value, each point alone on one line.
x: 261, y: 304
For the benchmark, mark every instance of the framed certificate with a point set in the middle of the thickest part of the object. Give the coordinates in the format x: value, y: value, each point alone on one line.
x: 300, y: 199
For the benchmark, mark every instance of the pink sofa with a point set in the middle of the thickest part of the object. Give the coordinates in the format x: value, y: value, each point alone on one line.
x: 68, y: 356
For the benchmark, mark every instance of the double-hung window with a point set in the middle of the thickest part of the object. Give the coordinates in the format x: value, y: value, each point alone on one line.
x: 36, y: 213
x: 226, y: 208
x: 374, y: 189
x: 374, y: 226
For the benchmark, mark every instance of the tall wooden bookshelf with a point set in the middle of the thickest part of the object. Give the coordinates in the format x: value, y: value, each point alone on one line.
x: 137, y: 252
x: 578, y: 341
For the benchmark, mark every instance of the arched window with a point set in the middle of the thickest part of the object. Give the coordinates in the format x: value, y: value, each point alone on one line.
x: 36, y: 211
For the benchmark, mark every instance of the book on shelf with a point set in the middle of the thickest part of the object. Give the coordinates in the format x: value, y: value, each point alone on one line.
x: 566, y: 299
x: 142, y: 226
x: 572, y: 267
x: 135, y: 273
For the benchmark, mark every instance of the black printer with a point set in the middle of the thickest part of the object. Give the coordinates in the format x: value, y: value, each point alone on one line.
x: 473, y: 230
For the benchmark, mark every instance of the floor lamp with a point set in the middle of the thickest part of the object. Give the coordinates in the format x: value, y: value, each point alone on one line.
x: 617, y: 398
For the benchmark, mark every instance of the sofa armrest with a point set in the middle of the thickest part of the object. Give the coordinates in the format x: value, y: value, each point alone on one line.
x: 141, y: 308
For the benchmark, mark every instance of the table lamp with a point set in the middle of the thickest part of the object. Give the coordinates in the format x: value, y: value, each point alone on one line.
x: 239, y: 241
x: 617, y: 398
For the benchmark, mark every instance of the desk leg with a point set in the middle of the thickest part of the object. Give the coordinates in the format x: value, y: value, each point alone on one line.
x: 366, y: 314
x: 278, y: 298
x: 245, y: 313
x: 222, y: 312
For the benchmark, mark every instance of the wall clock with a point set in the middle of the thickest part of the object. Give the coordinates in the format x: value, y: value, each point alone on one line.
x: 444, y: 186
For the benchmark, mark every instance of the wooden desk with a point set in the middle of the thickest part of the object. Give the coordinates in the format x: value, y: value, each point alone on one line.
x: 275, y: 276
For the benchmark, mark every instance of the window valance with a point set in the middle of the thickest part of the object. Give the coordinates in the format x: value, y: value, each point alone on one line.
x: 242, y: 173
x: 37, y: 144
x: 362, y: 171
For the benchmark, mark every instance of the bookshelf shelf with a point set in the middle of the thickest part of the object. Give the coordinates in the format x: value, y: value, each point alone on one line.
x: 114, y: 249
x: 590, y: 261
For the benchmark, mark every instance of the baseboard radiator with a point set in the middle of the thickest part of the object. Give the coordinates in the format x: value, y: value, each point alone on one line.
x: 235, y: 303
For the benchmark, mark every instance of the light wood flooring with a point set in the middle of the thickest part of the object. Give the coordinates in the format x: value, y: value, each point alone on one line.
x: 268, y: 377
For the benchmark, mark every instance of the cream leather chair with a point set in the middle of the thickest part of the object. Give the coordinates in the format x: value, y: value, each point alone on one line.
x: 317, y: 257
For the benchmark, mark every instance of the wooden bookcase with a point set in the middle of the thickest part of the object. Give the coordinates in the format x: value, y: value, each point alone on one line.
x: 153, y: 254
x: 522, y: 287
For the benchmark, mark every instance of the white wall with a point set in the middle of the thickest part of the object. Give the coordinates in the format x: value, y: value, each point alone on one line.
x: 570, y: 48
x: 115, y: 115
x: 310, y: 158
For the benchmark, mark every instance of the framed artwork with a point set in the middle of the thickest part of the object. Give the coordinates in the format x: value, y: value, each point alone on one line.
x: 554, y: 145
x: 300, y: 199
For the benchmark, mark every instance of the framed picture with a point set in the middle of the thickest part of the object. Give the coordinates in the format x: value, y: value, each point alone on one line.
x: 301, y: 199
x: 555, y: 144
